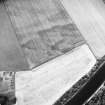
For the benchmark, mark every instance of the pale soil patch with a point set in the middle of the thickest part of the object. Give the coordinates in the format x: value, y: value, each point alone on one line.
x: 45, y: 84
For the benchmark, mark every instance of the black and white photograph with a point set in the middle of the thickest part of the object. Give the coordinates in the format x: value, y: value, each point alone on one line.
x: 52, y: 52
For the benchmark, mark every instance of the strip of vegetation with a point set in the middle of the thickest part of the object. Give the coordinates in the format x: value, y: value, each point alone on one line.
x: 72, y: 92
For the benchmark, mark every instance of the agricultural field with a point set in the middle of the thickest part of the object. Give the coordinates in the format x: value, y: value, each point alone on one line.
x: 43, y: 31
x: 60, y: 44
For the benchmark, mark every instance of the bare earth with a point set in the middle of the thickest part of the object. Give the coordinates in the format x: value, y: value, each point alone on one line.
x: 45, y: 84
